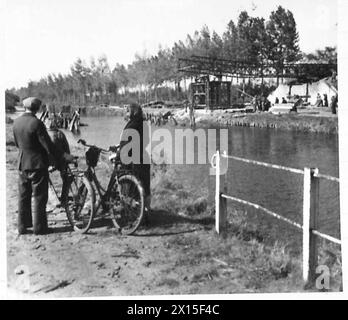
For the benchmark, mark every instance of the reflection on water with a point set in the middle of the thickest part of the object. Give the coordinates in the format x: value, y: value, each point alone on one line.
x: 279, y: 191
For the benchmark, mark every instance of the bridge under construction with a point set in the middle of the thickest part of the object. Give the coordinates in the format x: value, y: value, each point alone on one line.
x: 217, y: 93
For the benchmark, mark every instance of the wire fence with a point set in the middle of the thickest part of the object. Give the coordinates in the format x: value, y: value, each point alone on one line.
x: 310, y: 208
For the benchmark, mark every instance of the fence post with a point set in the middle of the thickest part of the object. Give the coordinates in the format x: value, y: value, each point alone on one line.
x: 310, y: 220
x: 217, y: 192
x: 223, y: 201
x: 220, y: 202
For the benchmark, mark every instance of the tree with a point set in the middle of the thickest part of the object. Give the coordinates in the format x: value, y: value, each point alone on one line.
x: 81, y: 72
x: 11, y: 101
x: 326, y: 55
x: 216, y: 46
x: 120, y: 74
x: 103, y: 76
x: 251, y: 37
x: 282, y: 37
x: 230, y: 42
x: 204, y: 41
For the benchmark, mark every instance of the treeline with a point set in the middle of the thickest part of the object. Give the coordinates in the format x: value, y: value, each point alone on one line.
x: 11, y: 100
x: 152, y: 77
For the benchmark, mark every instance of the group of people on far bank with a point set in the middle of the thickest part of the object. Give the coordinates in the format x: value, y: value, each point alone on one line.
x: 323, y: 102
x: 260, y: 103
x: 320, y: 102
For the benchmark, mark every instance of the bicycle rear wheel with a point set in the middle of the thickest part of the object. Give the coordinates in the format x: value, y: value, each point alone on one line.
x: 79, y: 203
x: 127, y: 204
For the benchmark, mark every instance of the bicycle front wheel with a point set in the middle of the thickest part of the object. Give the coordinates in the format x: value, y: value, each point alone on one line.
x: 79, y: 204
x: 127, y: 204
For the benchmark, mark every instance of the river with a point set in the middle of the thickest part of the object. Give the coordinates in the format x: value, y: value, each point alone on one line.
x: 276, y: 190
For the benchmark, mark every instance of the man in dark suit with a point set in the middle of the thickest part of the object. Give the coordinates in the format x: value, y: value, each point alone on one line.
x: 34, y: 145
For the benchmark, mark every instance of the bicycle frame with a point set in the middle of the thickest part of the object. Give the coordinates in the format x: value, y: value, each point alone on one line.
x: 102, y: 192
x: 92, y: 177
x: 70, y: 172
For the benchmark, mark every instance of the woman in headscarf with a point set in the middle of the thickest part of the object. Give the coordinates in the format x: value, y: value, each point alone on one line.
x: 143, y: 168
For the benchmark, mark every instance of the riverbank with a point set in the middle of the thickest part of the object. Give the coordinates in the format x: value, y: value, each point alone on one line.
x: 311, y: 121
x: 315, y: 120
x: 90, y: 111
x: 189, y: 257
x: 102, y: 111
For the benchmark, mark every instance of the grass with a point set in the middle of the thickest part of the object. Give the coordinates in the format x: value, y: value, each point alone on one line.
x: 9, y: 135
x: 293, y: 122
x: 262, y: 266
x: 251, y: 264
x: 171, y: 195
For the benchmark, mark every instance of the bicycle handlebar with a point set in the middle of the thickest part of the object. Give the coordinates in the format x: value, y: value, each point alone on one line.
x: 111, y: 148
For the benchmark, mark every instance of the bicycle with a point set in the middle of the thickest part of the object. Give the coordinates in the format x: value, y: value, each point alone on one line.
x: 123, y: 198
x: 78, y: 198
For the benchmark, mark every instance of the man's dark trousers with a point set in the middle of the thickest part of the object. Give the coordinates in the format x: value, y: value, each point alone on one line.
x: 32, y: 182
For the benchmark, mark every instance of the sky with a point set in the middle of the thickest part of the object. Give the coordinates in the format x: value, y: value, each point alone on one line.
x: 46, y: 36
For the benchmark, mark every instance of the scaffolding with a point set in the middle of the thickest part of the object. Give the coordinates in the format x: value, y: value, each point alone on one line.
x: 217, y: 93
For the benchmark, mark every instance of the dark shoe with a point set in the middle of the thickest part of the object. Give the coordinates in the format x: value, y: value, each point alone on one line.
x: 22, y: 231
x: 43, y: 232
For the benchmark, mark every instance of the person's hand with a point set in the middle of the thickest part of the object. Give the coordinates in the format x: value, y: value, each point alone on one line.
x: 114, y: 148
x: 51, y: 169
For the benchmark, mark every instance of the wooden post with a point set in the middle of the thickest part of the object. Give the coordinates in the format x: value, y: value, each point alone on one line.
x: 223, y: 201
x: 207, y: 94
x: 231, y: 92
x: 217, y: 192
x: 310, y: 220
x: 220, y: 202
x: 307, y: 91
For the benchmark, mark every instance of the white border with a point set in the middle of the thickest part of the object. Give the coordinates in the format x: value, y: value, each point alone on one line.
x: 343, y: 157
